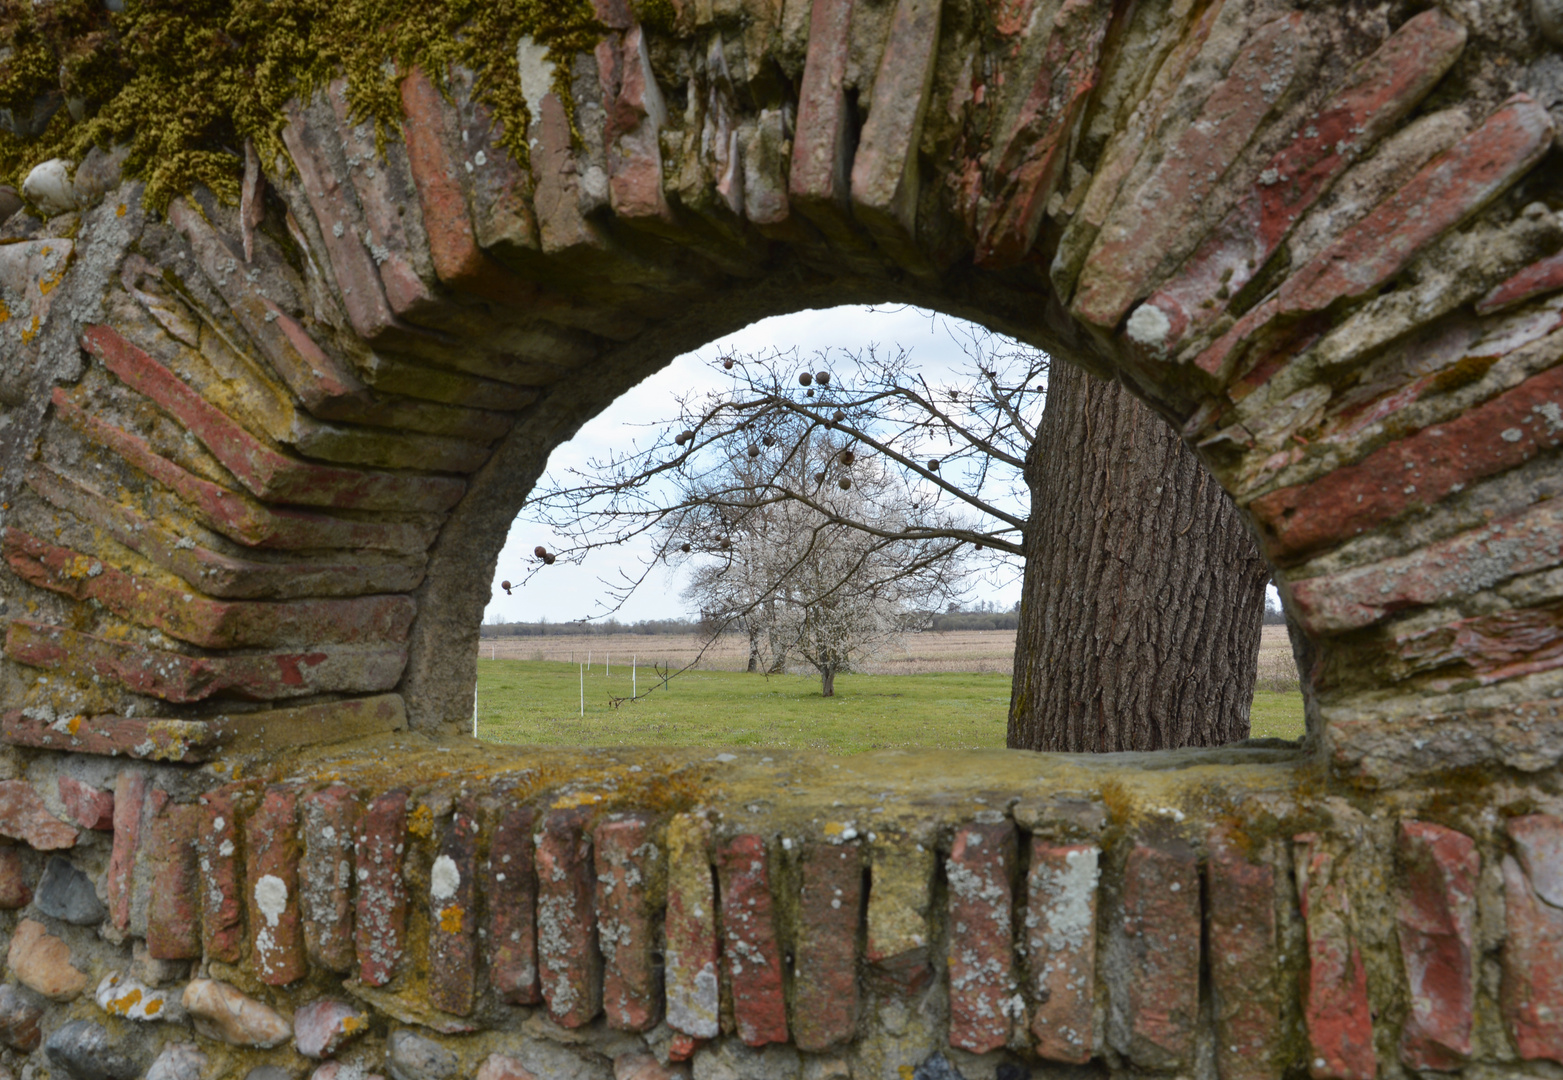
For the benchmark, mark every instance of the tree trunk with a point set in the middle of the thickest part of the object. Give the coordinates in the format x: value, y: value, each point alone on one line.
x: 754, y: 649
x: 827, y: 682
x: 1143, y: 597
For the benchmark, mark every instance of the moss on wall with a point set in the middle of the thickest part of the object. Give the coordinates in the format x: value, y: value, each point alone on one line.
x: 185, y: 82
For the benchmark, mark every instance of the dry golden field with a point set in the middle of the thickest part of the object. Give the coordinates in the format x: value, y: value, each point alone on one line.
x: 988, y: 651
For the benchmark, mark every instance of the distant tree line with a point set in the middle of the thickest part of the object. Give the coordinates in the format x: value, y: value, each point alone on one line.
x: 571, y: 629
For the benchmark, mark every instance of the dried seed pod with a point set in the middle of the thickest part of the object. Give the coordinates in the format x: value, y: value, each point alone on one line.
x: 822, y: 377
x: 847, y: 457
x: 808, y: 393
x: 506, y: 586
x: 977, y: 546
x: 686, y: 549
x: 838, y: 416
x: 686, y: 437
x: 727, y: 362
x: 933, y: 464
x: 540, y: 551
x: 769, y: 440
x: 754, y: 451
x: 845, y: 483
x: 726, y: 544
x: 819, y: 478
x: 804, y: 378
x: 548, y: 560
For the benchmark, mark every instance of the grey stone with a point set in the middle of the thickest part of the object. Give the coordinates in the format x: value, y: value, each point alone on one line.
x: 542, y: 1058
x: 936, y: 1067
x: 268, y: 1072
x: 20, y: 1011
x: 1549, y: 18
x: 409, y: 1056
x: 86, y: 1051
x: 732, y: 1060
x: 178, y: 1061
x: 10, y: 203
x: 67, y: 893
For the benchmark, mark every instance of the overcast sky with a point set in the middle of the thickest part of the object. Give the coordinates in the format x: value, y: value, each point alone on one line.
x: 563, y: 593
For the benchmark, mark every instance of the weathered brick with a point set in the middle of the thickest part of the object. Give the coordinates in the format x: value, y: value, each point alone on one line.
x: 1436, y: 572
x: 330, y: 818
x: 1532, y: 996
x: 568, y: 958
x: 1156, y: 1008
x: 211, y: 572
x: 897, y: 948
x: 25, y: 816
x: 130, y: 791
x: 498, y: 189
x: 16, y: 889
x: 1490, y: 648
x: 984, y: 998
x: 381, y: 913
x: 90, y: 807
x: 636, y: 115
x: 1031, y: 152
x: 1374, y: 99
x: 267, y: 472
x: 200, y: 620
x: 1539, y: 278
x: 819, y: 177
x: 222, y: 890
x: 271, y: 851
x: 1143, y: 230
x: 754, y: 962
x: 146, y: 738
x: 174, y: 910
x: 627, y: 858
x: 1437, y: 925
x: 1335, y: 1003
x: 1060, y: 938
x: 691, y: 942
x: 239, y: 516
x: 511, y: 892
x: 1244, y: 962
x: 453, y: 914
x: 1416, y: 471
x: 825, y: 953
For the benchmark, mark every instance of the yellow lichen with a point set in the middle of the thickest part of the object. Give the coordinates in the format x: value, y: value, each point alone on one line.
x: 421, y: 821
x: 450, y: 919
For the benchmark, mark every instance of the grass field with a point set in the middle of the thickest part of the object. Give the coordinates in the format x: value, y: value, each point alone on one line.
x: 539, y: 702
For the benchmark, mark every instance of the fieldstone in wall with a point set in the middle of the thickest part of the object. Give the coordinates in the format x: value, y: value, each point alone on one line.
x: 20, y: 1012
x: 223, y: 1012
x: 410, y: 1056
x: 68, y: 894
x: 88, y: 1051
x: 323, y: 1027
x: 179, y: 1061
x: 43, y: 962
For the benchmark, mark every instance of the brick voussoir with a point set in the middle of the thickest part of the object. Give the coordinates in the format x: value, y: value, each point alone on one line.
x: 750, y: 940
x: 266, y: 472
x: 1436, y: 921
x: 380, y: 913
x: 331, y: 818
x: 201, y: 620
x: 627, y: 865
x: 825, y: 985
x: 984, y: 992
x: 569, y: 959
x: 1060, y: 941
x: 271, y: 883
x: 453, y: 914
x: 692, y: 948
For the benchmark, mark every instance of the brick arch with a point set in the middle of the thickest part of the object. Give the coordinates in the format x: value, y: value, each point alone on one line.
x: 258, y: 462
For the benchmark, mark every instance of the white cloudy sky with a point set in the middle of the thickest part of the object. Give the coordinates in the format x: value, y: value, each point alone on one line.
x: 563, y: 593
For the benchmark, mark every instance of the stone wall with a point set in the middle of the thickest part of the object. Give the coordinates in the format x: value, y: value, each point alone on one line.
x: 257, y: 461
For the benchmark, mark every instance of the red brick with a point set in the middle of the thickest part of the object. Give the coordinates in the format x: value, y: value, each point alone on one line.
x: 453, y: 915
x: 511, y: 894
x: 130, y: 791
x: 458, y: 261
x: 636, y: 114
x: 626, y: 858
x: 138, y: 737
x: 1437, y: 924
x: 1375, y: 98
x: 211, y: 572
x: 330, y: 817
x: 1244, y: 963
x: 1412, y: 472
x: 1436, y: 573
x: 1145, y: 224
x: 1538, y: 279
x: 682, y: 1047
x: 690, y: 933
x: 271, y: 850
x: 983, y: 990
x: 16, y: 890
x: 1060, y: 937
x: 238, y: 516
x: 498, y: 189
x: 1032, y: 151
x: 180, y: 678
x: 830, y: 906
x: 25, y: 816
x: 754, y: 963
x: 267, y: 472
x: 819, y: 148
x: 222, y: 889
x: 381, y: 923
x: 89, y: 807
x: 200, y: 620
x: 1532, y: 995
x: 568, y: 958
x: 1161, y: 925
x: 1489, y: 648
x: 174, y: 911
x: 1335, y: 999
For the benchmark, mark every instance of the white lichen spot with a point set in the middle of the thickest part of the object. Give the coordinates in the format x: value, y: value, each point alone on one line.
x: 537, y: 73
x: 1149, y: 326
x: 271, y: 898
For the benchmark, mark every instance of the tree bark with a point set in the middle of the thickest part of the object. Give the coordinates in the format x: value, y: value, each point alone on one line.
x: 1143, y: 596
x: 827, y: 682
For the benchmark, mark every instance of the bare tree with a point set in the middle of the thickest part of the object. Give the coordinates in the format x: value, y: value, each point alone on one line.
x: 1059, y: 488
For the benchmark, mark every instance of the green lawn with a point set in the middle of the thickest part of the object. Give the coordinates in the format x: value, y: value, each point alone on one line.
x: 538, y: 702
